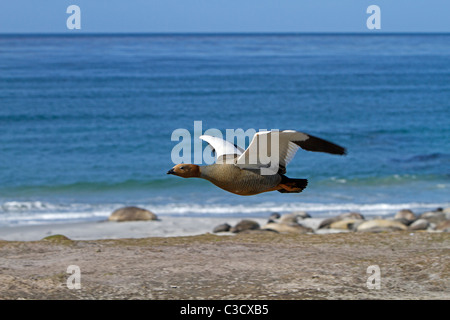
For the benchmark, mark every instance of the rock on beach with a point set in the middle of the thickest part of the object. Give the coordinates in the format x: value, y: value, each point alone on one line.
x: 132, y: 214
x: 245, y: 225
x: 380, y: 225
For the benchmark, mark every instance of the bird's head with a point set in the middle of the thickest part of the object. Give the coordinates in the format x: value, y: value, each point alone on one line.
x: 185, y: 170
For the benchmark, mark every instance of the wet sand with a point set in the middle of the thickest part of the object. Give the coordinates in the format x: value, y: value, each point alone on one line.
x: 166, y: 226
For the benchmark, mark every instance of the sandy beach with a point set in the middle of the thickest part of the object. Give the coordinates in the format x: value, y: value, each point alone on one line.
x: 179, y: 258
x: 165, y: 227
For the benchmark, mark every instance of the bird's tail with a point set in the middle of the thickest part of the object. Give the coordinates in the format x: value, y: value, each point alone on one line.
x: 288, y: 185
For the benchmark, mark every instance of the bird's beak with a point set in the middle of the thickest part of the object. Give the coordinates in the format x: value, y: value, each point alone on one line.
x: 171, y: 171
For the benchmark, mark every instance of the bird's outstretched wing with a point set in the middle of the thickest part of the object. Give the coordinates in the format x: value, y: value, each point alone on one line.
x: 260, y: 153
x: 222, y: 148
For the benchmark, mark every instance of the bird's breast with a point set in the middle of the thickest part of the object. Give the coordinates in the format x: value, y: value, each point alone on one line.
x: 239, y: 181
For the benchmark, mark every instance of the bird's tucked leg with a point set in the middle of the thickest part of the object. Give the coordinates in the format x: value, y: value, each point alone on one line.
x: 288, y: 185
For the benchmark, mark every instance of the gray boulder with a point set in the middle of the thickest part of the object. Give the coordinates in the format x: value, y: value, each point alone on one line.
x: 406, y: 214
x: 405, y: 221
x: 224, y: 227
x: 346, y: 224
x: 325, y: 224
x: 447, y: 213
x: 435, y: 217
x: 345, y: 216
x: 380, y: 225
x: 288, y: 218
x: 351, y: 215
x: 301, y: 214
x: 287, y: 227
x: 245, y: 225
x: 274, y: 216
x: 132, y: 214
x: 444, y: 226
x: 419, y: 224
x: 287, y: 223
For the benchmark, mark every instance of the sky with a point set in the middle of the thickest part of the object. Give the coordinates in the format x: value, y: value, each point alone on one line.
x: 213, y: 16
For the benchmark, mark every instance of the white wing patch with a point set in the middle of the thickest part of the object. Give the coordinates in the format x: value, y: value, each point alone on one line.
x: 222, y: 147
x: 290, y: 153
x: 251, y: 158
x: 269, y: 149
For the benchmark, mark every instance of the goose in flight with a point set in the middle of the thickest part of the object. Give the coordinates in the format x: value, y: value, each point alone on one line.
x: 261, y: 167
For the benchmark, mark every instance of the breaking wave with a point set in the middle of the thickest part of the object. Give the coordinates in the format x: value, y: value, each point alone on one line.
x: 37, y: 212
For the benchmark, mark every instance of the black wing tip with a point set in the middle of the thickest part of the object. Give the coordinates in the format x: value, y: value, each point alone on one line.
x: 332, y: 149
x: 342, y: 151
x: 320, y: 145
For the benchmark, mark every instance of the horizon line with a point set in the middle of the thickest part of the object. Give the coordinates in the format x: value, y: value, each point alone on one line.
x: 238, y: 33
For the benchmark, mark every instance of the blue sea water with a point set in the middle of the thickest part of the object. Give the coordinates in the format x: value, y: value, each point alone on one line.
x: 86, y: 120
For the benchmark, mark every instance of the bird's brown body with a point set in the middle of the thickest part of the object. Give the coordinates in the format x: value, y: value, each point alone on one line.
x: 243, y: 182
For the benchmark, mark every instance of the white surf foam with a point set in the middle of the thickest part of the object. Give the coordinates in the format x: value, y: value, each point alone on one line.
x: 36, y: 212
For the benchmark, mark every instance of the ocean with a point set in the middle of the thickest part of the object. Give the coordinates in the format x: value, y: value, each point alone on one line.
x: 86, y: 121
